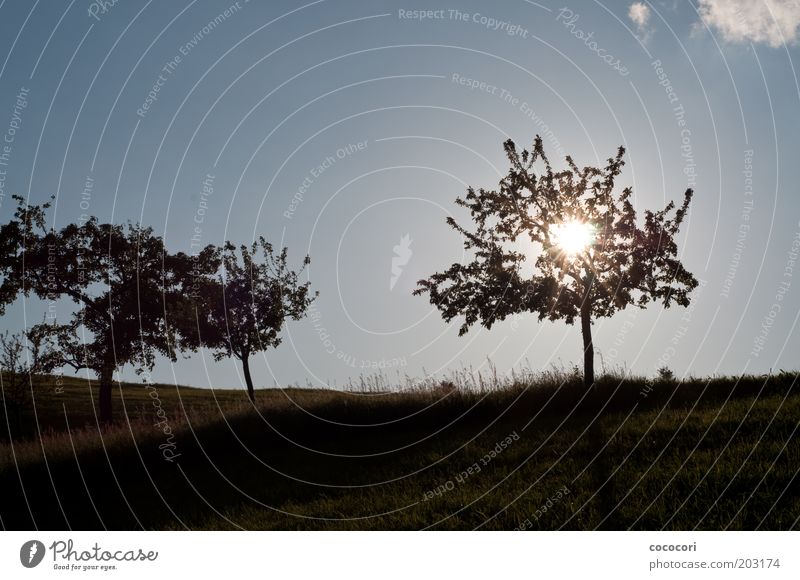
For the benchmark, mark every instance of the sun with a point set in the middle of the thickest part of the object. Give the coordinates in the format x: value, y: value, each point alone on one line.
x: 573, y: 237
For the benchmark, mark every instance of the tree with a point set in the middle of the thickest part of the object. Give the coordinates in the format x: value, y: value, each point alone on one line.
x: 121, y: 278
x: 24, y: 357
x: 16, y: 236
x: 240, y: 310
x: 591, y: 257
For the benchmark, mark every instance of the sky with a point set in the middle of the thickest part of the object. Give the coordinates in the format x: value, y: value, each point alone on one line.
x: 345, y: 130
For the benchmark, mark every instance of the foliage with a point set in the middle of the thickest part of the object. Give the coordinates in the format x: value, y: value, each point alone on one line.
x: 625, y: 264
x: 121, y: 278
x: 241, y: 309
x: 137, y: 301
x: 118, y: 277
x: 16, y: 237
x: 665, y: 373
x: 24, y: 358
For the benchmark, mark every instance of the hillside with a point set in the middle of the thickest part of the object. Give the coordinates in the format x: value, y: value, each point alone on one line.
x: 706, y: 454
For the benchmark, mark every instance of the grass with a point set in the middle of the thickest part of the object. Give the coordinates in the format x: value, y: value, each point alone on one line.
x: 533, y: 452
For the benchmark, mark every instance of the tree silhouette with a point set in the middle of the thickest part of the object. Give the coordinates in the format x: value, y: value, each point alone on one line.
x: 591, y: 257
x: 21, y: 233
x: 24, y: 357
x: 121, y: 278
x: 241, y: 309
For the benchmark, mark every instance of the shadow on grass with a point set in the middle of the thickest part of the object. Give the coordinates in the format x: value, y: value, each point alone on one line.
x: 343, y: 456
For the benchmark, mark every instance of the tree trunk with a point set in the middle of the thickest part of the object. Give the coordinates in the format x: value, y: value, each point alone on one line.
x: 106, y: 379
x: 586, y: 331
x: 248, y: 379
x: 588, y: 346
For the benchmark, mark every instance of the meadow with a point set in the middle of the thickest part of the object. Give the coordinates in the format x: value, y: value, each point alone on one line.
x: 534, y: 451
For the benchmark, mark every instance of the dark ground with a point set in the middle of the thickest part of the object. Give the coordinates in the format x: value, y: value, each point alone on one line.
x: 719, y: 454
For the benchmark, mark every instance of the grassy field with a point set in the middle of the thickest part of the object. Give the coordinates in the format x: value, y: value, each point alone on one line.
x: 535, y: 453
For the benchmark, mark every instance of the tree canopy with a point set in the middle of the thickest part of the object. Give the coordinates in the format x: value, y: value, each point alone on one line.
x: 591, y: 257
x: 241, y: 309
x: 123, y: 281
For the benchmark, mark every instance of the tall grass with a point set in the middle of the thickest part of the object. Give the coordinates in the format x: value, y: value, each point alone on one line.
x: 628, y: 441
x: 66, y: 425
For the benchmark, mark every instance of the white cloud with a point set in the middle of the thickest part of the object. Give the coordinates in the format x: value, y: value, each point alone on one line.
x: 774, y: 22
x: 639, y: 13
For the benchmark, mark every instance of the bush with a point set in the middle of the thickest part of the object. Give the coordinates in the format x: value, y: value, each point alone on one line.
x: 665, y: 374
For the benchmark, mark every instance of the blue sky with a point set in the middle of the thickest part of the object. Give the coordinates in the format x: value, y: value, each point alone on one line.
x: 346, y: 129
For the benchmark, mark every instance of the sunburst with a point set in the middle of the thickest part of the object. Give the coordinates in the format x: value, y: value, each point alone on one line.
x: 573, y: 237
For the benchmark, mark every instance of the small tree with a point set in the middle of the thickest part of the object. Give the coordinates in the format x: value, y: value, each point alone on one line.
x: 241, y: 310
x: 591, y: 258
x: 24, y: 357
x: 120, y: 277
